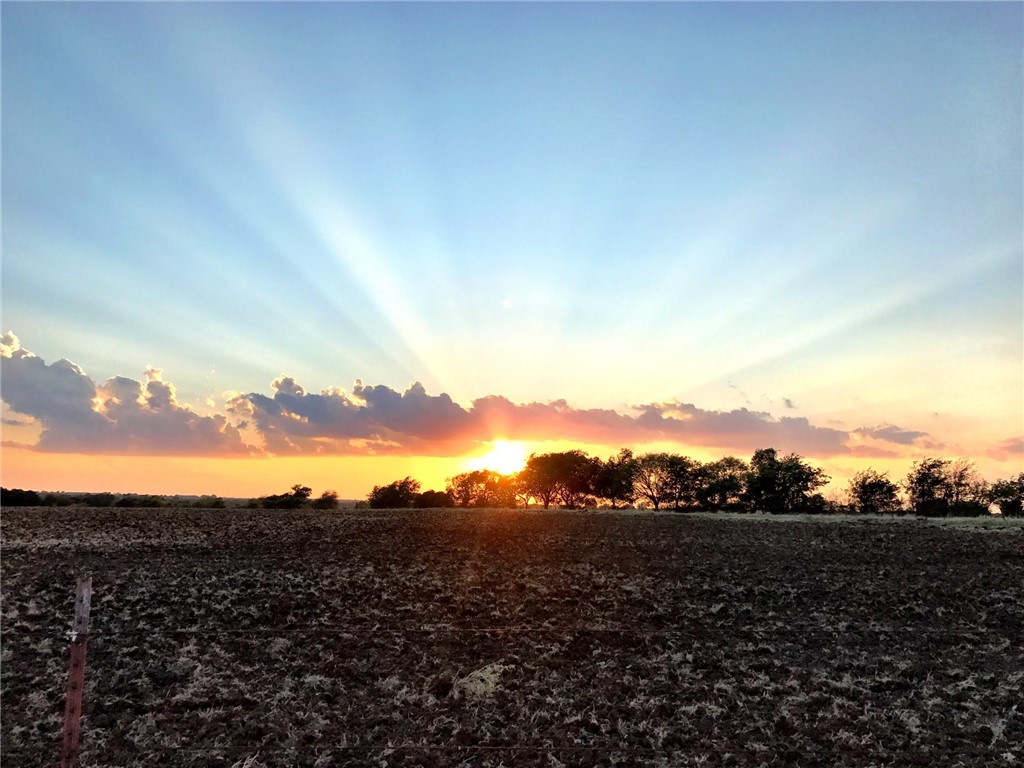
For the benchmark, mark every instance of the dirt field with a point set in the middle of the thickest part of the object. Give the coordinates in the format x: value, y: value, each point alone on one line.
x: 515, y: 638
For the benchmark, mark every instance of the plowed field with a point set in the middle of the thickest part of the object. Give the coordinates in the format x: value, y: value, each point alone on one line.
x: 515, y: 638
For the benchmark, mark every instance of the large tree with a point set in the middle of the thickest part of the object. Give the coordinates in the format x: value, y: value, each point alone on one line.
x: 326, y: 500
x: 297, y: 497
x: 397, y: 495
x: 720, y: 483
x: 465, y: 488
x: 779, y: 485
x: 539, y: 478
x: 1008, y: 495
x: 482, y: 488
x: 939, y: 487
x: 566, y: 477
x: 653, y: 478
x: 968, y: 491
x: 928, y: 489
x: 576, y: 471
x: 433, y: 500
x: 613, y: 480
x: 873, y: 493
x: 684, y: 475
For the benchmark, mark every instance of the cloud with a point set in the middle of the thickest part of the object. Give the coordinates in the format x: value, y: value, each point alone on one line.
x: 124, y: 415
x: 1009, y: 448
x: 9, y: 344
x: 872, y: 452
x: 788, y: 403
x: 119, y: 417
x: 891, y: 434
x: 382, y: 420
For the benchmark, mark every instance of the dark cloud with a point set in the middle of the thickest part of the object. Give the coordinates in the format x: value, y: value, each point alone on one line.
x: 121, y: 416
x: 414, y: 412
x: 891, y: 434
x: 788, y: 403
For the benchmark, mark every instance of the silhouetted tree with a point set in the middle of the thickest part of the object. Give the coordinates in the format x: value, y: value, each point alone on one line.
x: 482, y: 488
x: 720, y: 483
x: 326, y: 500
x: 499, y: 491
x: 398, y: 495
x: 613, y: 480
x: 98, y: 499
x: 16, y: 497
x: 576, y: 471
x: 468, y: 489
x: 520, y: 490
x: 927, y: 487
x: 968, y: 492
x: 566, y: 477
x: 652, y: 479
x: 133, y: 500
x: 540, y: 477
x: 782, y: 485
x: 297, y: 497
x: 433, y: 500
x: 1008, y: 495
x: 683, y: 480
x: 873, y: 493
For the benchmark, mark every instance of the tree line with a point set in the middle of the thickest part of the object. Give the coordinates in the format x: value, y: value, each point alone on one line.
x: 17, y: 497
x: 297, y: 497
x: 767, y: 483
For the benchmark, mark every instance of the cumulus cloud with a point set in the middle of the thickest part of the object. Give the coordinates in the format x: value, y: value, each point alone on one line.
x: 890, y: 433
x: 383, y: 420
x: 144, y: 417
x: 120, y: 416
x: 286, y: 385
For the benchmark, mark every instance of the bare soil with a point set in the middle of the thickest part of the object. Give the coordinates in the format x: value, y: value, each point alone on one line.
x: 514, y: 638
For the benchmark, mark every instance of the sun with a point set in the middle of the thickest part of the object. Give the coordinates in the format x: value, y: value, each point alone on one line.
x: 505, y: 457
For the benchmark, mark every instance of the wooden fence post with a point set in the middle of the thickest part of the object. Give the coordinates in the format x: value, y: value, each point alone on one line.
x: 76, y: 674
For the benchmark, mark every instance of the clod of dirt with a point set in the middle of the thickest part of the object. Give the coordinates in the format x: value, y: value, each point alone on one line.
x: 481, y: 683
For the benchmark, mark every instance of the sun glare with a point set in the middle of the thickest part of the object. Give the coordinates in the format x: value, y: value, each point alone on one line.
x: 505, y: 457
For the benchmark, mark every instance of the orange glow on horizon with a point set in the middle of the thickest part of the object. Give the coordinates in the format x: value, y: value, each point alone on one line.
x: 505, y: 457
x: 351, y: 476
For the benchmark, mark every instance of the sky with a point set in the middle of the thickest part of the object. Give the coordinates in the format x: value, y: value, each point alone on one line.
x: 249, y: 245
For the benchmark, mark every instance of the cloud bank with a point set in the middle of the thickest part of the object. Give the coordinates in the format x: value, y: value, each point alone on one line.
x: 122, y: 416
x: 129, y: 416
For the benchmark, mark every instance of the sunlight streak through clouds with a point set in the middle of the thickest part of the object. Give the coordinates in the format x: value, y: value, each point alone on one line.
x: 297, y: 167
x: 599, y: 214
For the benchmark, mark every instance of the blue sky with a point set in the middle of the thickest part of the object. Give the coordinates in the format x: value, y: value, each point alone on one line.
x: 728, y: 205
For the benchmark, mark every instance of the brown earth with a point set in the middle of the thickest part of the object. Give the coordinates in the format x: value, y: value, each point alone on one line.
x: 515, y: 638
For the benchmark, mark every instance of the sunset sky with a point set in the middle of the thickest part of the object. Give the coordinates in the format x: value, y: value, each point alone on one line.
x: 250, y: 245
